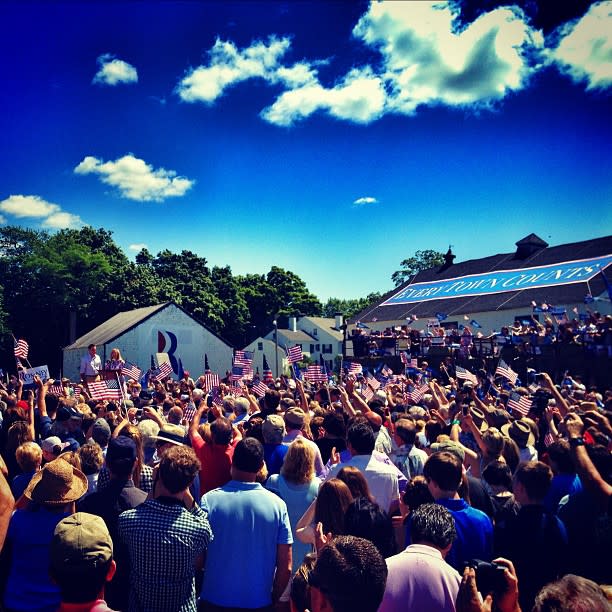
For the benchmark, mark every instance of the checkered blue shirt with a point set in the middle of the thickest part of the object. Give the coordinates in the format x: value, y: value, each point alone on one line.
x: 163, y: 540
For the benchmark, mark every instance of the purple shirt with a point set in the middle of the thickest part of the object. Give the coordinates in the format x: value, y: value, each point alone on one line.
x: 420, y: 579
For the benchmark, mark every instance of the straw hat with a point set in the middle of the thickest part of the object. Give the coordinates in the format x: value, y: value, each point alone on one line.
x: 478, y: 416
x: 57, y: 484
x: 520, y: 432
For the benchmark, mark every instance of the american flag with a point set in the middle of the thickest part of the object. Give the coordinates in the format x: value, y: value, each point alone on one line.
x: 241, y: 373
x: 549, y: 439
x: 413, y: 363
x: 131, y: 371
x: 464, y: 374
x: 314, y: 374
x: 21, y: 349
x: 267, y: 371
x: 519, y: 403
x: 104, y: 389
x: 164, y: 370
x: 56, y: 389
x: 367, y: 393
x: 373, y: 382
x: 189, y: 411
x: 416, y: 395
x: 503, y: 369
x: 217, y: 400
x: 211, y: 381
x: 243, y: 358
x: 405, y: 357
x: 294, y: 354
x: 386, y: 371
x: 355, y: 368
x: 259, y: 388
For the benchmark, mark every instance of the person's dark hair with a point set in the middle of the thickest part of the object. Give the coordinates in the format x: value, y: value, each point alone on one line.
x: 444, y: 469
x: 432, y: 430
x: 560, y: 453
x: 90, y: 346
x: 366, y: 519
x: 511, y: 453
x: 571, y: 593
x: 498, y: 474
x: 360, y: 436
x: 221, y: 431
x: 355, y: 481
x: 432, y: 524
x: 334, y: 425
x: 417, y: 493
x: 602, y: 460
x: 178, y: 467
x: 351, y: 573
x: 80, y: 586
x: 300, y: 589
x: 330, y: 507
x: 248, y: 456
x: 536, y: 477
x: 271, y: 400
x: 406, y: 430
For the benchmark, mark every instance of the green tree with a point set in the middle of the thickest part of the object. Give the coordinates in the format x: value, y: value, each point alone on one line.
x: 349, y: 308
x: 421, y: 260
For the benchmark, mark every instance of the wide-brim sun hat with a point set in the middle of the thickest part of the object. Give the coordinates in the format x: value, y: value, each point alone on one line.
x: 57, y: 484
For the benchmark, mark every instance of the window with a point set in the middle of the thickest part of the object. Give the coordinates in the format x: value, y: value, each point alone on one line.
x: 260, y: 346
x: 312, y: 349
x: 314, y: 332
x: 326, y: 348
x: 317, y: 347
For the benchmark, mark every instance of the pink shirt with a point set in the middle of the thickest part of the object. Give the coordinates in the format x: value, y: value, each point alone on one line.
x: 420, y: 579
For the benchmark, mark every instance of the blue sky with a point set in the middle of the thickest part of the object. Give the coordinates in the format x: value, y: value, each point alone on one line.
x: 332, y: 139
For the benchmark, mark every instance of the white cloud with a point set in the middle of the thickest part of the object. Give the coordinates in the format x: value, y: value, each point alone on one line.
x: 359, y: 97
x: 365, y: 200
x: 426, y: 61
x: 28, y: 206
x: 138, y: 247
x: 229, y: 65
x: 61, y: 220
x: 33, y: 206
x: 113, y: 71
x: 135, y: 179
x: 585, y: 48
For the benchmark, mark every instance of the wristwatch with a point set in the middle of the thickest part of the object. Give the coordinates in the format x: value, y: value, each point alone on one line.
x: 574, y: 442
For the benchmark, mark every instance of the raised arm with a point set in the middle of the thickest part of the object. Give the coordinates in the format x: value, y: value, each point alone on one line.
x: 559, y: 399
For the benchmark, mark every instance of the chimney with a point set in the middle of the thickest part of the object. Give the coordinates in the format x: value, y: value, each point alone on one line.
x: 339, y: 320
x: 292, y: 324
x: 529, y: 245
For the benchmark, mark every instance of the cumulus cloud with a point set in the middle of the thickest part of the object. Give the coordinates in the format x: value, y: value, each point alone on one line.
x: 135, y: 179
x: 35, y: 207
x: 365, y: 200
x: 61, y: 220
x: 425, y: 60
x: 359, y: 97
x: 138, y: 247
x: 584, y: 51
x: 229, y: 65
x: 113, y: 71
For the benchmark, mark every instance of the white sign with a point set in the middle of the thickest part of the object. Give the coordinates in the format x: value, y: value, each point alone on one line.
x: 27, y: 376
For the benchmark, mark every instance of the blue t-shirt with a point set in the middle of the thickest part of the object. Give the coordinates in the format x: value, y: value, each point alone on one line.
x: 248, y: 523
x: 561, y: 485
x: 29, y: 587
x: 474, y: 534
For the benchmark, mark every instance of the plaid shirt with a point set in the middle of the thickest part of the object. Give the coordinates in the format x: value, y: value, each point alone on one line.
x: 163, y: 540
x: 146, y: 478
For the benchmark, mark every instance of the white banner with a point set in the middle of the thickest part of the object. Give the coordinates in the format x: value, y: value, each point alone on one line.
x: 27, y: 376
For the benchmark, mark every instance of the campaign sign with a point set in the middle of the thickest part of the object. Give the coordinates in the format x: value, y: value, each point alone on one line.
x: 27, y: 376
x: 564, y: 273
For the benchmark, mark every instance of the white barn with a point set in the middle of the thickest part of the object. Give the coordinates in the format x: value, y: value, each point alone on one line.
x: 143, y: 332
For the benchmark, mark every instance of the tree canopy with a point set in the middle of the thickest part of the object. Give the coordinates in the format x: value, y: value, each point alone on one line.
x: 48, y: 281
x: 421, y: 260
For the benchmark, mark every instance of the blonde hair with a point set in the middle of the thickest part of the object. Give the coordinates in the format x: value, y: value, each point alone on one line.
x: 28, y: 456
x: 115, y: 351
x: 298, y: 465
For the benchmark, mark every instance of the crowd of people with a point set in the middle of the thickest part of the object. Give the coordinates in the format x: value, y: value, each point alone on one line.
x: 423, y: 490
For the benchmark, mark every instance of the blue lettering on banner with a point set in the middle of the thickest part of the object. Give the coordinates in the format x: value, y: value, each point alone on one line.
x: 563, y: 273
